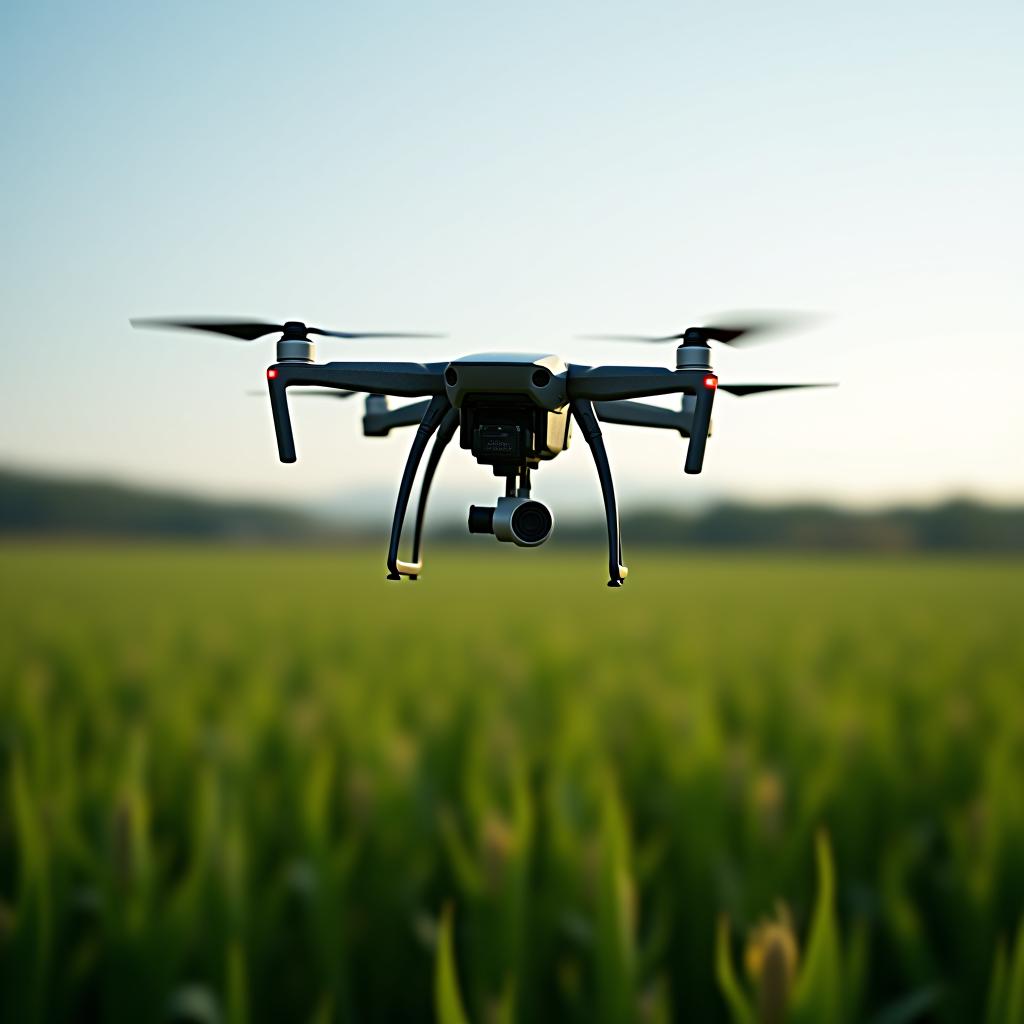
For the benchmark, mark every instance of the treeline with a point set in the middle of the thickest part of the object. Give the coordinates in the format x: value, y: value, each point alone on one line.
x: 33, y: 505
x: 951, y: 526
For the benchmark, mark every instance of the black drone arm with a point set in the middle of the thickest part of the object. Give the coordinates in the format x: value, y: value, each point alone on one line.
x: 699, y: 431
x: 404, y: 380
x: 615, y: 383
x: 640, y: 414
x: 379, y: 420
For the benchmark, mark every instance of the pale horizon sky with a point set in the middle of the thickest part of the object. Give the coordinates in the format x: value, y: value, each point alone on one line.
x: 516, y: 175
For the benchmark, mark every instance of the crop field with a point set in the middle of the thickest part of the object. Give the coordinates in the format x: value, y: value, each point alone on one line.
x: 266, y: 785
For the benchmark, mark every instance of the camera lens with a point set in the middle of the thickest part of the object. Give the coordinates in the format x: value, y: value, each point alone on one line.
x: 532, y: 522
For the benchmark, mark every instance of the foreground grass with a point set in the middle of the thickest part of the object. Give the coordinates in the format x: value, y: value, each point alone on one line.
x: 245, y: 784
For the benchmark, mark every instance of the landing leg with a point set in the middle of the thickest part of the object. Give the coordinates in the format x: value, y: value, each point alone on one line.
x: 583, y: 413
x: 431, y: 420
x: 445, y: 433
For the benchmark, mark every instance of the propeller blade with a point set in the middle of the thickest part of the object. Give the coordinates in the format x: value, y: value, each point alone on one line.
x: 251, y: 330
x: 729, y: 335
x: 371, y: 334
x: 650, y: 338
x: 246, y: 331
x: 756, y: 389
x: 728, y: 328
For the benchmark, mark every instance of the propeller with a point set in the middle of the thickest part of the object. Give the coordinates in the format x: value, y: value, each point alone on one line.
x: 756, y: 389
x: 728, y: 329
x: 253, y: 329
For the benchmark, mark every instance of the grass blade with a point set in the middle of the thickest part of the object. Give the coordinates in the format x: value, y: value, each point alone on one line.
x: 447, y: 999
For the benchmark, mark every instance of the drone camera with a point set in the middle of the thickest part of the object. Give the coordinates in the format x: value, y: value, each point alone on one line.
x: 522, y: 521
x: 529, y: 523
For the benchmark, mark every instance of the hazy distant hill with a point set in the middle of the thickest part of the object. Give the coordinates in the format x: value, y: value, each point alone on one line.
x: 39, y: 505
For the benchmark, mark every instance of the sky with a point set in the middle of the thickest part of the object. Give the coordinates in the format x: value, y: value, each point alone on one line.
x: 516, y: 175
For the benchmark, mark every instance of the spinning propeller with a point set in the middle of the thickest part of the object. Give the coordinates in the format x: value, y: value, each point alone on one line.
x: 291, y: 330
x: 732, y: 329
x: 294, y: 344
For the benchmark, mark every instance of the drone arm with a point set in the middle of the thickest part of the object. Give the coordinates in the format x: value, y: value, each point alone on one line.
x: 622, y: 382
x: 639, y: 414
x: 400, y: 379
x: 583, y: 413
x: 432, y: 419
x: 282, y: 418
x: 404, y: 380
x: 699, y: 430
x: 379, y: 420
x: 614, y: 383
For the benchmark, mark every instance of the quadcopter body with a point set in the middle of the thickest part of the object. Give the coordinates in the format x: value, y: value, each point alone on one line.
x: 511, y: 411
x: 513, y: 408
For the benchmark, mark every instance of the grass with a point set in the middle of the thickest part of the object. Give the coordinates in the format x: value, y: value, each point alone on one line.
x: 241, y: 785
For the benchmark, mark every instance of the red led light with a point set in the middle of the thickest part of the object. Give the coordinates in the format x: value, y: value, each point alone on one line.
x: 271, y: 373
x: 711, y: 383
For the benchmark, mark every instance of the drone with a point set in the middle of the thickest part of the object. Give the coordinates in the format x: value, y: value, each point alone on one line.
x: 512, y: 411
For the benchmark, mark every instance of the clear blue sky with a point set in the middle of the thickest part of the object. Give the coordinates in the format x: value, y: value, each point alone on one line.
x: 517, y: 174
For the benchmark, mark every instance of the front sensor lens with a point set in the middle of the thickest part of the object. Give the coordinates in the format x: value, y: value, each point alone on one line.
x: 451, y: 377
x: 532, y: 522
x: 541, y: 378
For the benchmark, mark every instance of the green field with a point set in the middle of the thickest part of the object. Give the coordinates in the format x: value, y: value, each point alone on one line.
x: 267, y: 785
